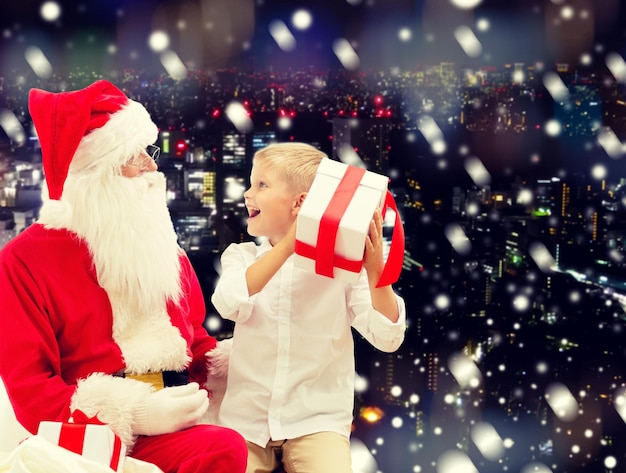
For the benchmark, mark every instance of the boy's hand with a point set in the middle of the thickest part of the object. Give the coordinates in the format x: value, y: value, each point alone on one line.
x: 374, y: 262
x: 383, y: 298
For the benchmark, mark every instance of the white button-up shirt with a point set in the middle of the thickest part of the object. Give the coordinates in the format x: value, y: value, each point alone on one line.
x: 292, y: 366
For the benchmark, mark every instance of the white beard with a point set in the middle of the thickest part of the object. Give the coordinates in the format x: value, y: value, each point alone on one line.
x: 128, y: 228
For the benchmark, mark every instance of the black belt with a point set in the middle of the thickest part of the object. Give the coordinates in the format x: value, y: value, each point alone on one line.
x: 161, y: 379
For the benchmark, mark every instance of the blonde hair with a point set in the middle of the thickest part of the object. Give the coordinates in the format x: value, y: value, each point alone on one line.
x: 297, y: 162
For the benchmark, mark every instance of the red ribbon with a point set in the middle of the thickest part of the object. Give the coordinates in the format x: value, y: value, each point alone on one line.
x: 79, y: 417
x: 329, y: 223
x: 72, y: 436
x: 308, y: 251
x: 324, y: 252
x: 393, y: 265
x: 116, y: 453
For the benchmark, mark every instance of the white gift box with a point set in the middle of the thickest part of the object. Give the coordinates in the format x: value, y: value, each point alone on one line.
x: 340, y: 204
x: 95, y: 442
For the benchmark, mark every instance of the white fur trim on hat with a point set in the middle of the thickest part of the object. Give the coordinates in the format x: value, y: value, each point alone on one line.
x: 127, y: 131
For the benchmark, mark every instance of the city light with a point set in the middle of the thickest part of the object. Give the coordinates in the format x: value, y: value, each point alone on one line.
x: 371, y: 414
x: 503, y: 137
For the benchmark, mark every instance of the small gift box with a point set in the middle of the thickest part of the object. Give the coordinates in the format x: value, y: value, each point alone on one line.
x: 335, y: 219
x: 87, y: 437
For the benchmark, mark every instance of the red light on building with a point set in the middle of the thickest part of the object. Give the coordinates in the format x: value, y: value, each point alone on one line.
x: 181, y: 147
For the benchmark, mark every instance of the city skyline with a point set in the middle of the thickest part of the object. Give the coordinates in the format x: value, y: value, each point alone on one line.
x: 514, y: 353
x: 485, y: 297
x: 510, y: 118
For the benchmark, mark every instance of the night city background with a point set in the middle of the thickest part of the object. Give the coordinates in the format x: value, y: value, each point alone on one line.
x: 501, y: 125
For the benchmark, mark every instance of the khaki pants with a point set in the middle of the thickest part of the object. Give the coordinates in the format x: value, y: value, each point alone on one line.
x: 322, y: 452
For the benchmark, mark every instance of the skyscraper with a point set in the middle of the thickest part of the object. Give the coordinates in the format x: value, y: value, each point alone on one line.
x: 369, y: 138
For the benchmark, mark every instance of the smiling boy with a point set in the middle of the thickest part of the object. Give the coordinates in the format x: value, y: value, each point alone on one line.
x: 290, y: 389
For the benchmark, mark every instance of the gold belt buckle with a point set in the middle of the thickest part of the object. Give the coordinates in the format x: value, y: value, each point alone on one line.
x: 155, y: 379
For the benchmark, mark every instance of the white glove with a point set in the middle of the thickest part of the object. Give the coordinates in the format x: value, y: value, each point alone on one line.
x: 170, y: 410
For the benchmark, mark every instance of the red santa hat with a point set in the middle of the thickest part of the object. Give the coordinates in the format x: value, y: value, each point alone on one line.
x: 97, y: 126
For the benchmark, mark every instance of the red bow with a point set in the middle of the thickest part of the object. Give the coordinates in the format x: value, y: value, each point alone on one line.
x: 79, y: 417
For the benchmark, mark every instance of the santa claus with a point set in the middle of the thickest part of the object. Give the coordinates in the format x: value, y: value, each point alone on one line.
x: 99, y: 305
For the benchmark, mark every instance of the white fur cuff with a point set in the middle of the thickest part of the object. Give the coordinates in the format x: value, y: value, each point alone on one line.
x: 114, y: 400
x: 217, y: 368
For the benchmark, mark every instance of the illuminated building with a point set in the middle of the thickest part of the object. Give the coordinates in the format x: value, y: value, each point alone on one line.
x: 260, y: 139
x: 368, y: 137
x: 191, y: 191
x: 515, y: 246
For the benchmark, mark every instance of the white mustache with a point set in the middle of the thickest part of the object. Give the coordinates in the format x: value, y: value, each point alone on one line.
x: 151, y: 178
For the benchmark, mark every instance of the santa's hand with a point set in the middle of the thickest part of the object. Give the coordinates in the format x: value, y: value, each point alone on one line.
x: 170, y: 410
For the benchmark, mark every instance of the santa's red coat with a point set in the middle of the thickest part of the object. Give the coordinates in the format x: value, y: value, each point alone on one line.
x: 56, y: 335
